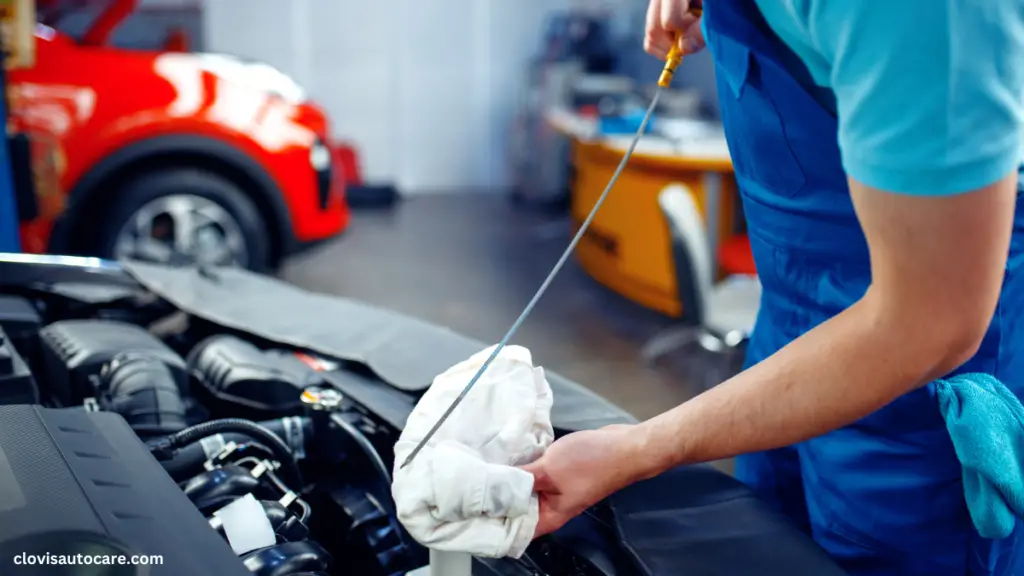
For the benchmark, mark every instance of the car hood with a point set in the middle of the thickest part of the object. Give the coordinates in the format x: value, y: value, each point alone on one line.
x: 251, y: 73
x: 404, y: 353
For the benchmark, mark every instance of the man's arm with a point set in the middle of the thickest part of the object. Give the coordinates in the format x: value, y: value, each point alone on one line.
x: 930, y: 133
x: 937, y: 266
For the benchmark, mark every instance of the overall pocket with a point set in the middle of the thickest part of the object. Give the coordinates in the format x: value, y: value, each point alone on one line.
x: 885, y: 494
x: 760, y: 150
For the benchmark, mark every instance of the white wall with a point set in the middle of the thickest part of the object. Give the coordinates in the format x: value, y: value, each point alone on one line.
x: 425, y: 88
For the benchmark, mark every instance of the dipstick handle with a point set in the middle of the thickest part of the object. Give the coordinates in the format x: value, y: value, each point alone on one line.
x: 675, y: 55
x: 675, y: 58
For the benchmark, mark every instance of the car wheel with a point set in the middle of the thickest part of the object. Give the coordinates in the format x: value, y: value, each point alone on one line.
x: 185, y: 216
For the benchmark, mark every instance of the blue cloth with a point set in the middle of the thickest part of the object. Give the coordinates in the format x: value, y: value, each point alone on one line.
x: 928, y: 93
x: 986, y: 422
x: 885, y: 495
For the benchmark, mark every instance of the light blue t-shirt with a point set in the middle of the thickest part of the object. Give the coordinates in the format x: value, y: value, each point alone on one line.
x: 929, y: 93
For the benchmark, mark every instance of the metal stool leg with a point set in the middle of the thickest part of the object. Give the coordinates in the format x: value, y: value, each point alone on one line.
x: 669, y: 340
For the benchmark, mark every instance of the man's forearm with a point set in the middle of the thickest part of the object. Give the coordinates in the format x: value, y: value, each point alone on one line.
x: 837, y: 373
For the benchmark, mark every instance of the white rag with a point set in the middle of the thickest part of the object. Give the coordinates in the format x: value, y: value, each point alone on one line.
x: 463, y: 492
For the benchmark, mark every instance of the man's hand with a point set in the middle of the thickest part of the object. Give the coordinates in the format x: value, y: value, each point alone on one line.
x: 580, y: 470
x: 670, y: 22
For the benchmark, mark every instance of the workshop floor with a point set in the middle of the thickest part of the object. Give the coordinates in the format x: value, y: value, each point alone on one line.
x: 471, y: 262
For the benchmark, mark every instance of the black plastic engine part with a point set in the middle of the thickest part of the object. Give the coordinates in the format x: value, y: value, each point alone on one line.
x: 17, y: 386
x: 167, y: 448
x: 214, y: 489
x: 286, y: 525
x: 343, y: 430
x: 79, y: 482
x: 296, y: 431
x: 142, y: 388
x: 363, y: 519
x: 74, y: 352
x: 191, y: 460
x: 356, y: 507
x: 248, y: 382
x: 585, y: 546
x: 288, y: 559
x: 21, y: 321
x: 501, y: 567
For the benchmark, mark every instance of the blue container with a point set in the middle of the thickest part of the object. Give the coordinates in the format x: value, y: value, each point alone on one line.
x: 625, y: 123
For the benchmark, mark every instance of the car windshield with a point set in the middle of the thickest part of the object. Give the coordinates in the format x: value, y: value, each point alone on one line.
x: 142, y: 29
x: 53, y: 13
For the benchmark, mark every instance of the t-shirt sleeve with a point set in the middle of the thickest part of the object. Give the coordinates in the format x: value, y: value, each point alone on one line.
x: 930, y: 95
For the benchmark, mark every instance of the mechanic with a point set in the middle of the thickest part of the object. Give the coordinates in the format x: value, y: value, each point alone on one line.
x: 876, y: 145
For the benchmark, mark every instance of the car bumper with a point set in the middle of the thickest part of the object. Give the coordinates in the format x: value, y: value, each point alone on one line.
x: 325, y: 213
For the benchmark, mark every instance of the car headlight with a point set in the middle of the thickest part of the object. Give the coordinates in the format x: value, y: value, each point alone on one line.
x: 320, y: 159
x: 319, y: 156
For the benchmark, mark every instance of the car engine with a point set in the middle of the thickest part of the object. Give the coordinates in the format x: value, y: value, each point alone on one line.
x: 218, y: 454
x: 225, y: 423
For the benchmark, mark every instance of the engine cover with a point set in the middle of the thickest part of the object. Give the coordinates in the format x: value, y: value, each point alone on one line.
x: 77, y: 483
x: 74, y: 351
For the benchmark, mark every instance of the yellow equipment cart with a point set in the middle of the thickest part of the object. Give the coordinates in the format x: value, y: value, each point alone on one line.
x: 628, y: 247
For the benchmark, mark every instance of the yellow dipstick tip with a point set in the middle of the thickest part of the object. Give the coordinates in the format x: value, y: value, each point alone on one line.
x: 675, y: 58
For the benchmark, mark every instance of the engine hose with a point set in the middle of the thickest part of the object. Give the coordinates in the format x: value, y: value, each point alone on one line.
x: 273, y: 479
x: 188, y: 460
x: 142, y: 389
x: 165, y: 448
x: 367, y: 448
x: 288, y: 559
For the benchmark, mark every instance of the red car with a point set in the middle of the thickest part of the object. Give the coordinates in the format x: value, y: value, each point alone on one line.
x: 170, y: 156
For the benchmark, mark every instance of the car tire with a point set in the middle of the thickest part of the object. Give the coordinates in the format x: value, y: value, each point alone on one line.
x: 237, y: 219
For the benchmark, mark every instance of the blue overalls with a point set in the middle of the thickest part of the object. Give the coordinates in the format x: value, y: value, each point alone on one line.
x: 883, y: 496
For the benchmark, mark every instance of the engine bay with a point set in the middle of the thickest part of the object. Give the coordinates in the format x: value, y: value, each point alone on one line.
x: 227, y: 420
x: 227, y: 452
